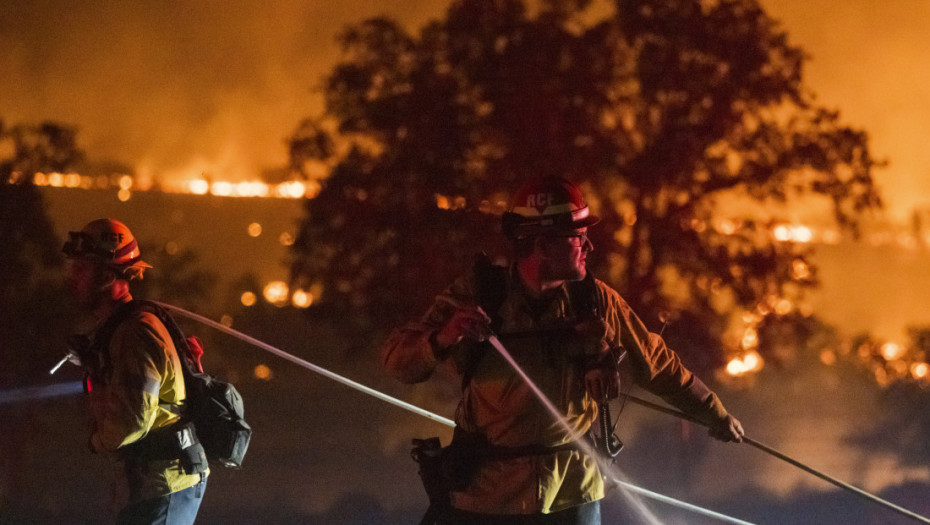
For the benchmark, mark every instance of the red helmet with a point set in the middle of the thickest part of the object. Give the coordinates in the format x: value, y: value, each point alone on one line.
x: 109, y: 241
x: 545, y: 205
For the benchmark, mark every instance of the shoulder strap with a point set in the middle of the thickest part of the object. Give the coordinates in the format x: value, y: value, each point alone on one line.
x: 583, y: 296
x: 177, y: 336
x: 105, y: 333
x: 491, y: 286
x: 101, y: 343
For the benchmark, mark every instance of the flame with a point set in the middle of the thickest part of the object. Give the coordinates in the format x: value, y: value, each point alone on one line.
x: 276, y: 293
x: 248, y: 298
x: 302, y: 299
x: 263, y: 372
x: 750, y: 362
x: 920, y: 370
x: 891, y: 351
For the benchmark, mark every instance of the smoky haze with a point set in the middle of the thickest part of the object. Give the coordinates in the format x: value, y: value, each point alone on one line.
x: 176, y: 88
x: 179, y: 88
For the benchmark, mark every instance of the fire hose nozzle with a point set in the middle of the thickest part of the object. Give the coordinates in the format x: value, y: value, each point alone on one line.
x: 62, y: 361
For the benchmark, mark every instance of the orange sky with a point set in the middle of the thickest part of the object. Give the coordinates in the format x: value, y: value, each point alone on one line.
x: 216, y: 86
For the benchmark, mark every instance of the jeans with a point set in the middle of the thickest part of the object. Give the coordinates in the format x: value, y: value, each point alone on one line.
x: 178, y: 508
x: 585, y: 514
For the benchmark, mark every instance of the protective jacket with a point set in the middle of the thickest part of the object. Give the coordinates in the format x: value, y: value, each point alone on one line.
x: 136, y: 390
x: 497, y: 404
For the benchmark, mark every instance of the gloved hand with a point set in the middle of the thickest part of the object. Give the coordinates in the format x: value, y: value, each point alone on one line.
x: 79, y: 350
x: 602, y: 382
x: 595, y: 334
x: 467, y: 322
x: 727, y: 429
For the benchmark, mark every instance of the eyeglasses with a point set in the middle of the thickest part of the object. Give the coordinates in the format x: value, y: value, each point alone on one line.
x: 576, y: 239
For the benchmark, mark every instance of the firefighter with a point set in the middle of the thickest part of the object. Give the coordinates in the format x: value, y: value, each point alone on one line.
x: 134, y: 381
x: 509, y: 461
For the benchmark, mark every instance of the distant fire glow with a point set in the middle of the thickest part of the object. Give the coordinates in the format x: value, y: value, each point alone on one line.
x: 301, y: 299
x: 276, y: 293
x: 920, y: 370
x: 892, y: 351
x: 248, y: 299
x: 750, y: 362
x: 263, y: 372
x: 795, y: 233
x: 124, y: 184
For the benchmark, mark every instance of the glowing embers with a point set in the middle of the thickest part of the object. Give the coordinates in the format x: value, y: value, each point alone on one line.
x: 248, y: 299
x: 263, y: 372
x: 276, y: 293
x: 749, y: 362
x: 793, y: 233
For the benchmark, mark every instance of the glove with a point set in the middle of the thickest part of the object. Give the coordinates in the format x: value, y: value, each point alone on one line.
x: 727, y: 429
x: 602, y: 377
x: 595, y: 334
x: 79, y: 350
x: 467, y: 322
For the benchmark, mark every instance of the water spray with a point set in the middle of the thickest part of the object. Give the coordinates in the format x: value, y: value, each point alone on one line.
x: 59, y: 363
x: 587, y: 449
x: 40, y: 392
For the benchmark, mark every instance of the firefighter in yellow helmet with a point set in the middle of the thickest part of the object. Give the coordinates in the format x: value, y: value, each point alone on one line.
x: 509, y: 461
x: 134, y: 381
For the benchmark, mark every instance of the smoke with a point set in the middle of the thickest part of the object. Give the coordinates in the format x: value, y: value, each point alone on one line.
x: 185, y: 87
x: 176, y: 87
x: 867, y: 60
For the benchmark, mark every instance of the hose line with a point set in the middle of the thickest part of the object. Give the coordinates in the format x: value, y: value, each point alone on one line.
x: 415, y: 409
x: 769, y: 450
x: 448, y: 422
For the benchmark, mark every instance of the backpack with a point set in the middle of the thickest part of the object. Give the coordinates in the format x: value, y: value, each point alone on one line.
x: 214, y: 407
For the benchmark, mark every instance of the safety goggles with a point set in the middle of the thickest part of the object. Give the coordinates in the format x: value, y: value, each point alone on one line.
x: 80, y: 244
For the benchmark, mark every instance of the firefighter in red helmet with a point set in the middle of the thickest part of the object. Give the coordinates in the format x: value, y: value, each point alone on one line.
x: 135, y: 382
x: 509, y: 462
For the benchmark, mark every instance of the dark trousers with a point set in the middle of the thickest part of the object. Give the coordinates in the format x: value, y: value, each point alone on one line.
x: 586, y: 514
x: 178, y: 508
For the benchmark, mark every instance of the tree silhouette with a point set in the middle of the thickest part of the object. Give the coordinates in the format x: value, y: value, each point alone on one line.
x: 34, y: 321
x: 672, y: 114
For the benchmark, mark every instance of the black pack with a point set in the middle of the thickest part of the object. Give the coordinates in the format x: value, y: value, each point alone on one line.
x: 214, y: 407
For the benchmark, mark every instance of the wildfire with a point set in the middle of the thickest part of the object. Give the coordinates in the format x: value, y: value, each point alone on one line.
x: 793, y: 233
x: 749, y: 362
x: 126, y: 184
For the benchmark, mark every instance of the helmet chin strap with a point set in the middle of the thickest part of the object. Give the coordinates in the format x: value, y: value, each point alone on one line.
x: 110, y: 282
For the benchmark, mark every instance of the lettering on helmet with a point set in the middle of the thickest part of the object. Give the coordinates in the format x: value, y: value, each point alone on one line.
x: 540, y: 201
x: 113, y: 237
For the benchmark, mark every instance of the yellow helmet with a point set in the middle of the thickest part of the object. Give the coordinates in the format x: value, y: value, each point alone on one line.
x: 109, y: 241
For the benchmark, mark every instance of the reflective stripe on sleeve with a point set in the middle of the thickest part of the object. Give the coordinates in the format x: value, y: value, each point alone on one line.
x: 146, y: 384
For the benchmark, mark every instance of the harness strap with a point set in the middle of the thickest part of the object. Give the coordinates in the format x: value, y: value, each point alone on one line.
x: 175, y: 442
x: 498, y: 452
x: 476, y: 444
